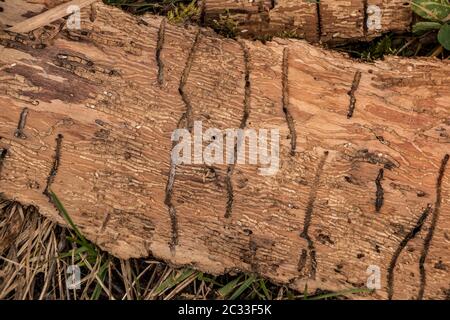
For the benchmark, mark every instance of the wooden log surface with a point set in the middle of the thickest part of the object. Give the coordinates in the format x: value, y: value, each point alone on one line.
x: 327, y: 21
x: 363, y: 178
x: 331, y: 21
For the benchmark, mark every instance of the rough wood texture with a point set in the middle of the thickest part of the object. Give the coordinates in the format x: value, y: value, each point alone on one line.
x: 363, y: 177
x: 48, y: 16
x: 330, y: 21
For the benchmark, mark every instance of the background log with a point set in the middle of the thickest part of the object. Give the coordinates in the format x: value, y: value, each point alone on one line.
x: 330, y: 21
x: 363, y: 177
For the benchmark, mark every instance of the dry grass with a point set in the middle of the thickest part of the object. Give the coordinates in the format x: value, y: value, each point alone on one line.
x: 35, y: 254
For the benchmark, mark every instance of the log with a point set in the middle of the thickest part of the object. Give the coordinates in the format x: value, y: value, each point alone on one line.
x: 15, y: 12
x: 328, y: 21
x: 362, y: 185
x: 49, y: 16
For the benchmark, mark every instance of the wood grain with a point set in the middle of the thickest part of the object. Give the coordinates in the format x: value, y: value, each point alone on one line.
x: 330, y: 21
x: 48, y: 16
x: 98, y: 133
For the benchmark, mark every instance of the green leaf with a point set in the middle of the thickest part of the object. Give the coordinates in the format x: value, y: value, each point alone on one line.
x: 81, y: 239
x: 75, y: 252
x: 340, y: 293
x: 262, y: 284
x: 247, y: 283
x: 172, y: 281
x: 444, y: 36
x: 102, y: 276
x: 424, y: 26
x: 229, y: 287
x: 305, y: 292
x: 202, y: 277
x: 436, y: 10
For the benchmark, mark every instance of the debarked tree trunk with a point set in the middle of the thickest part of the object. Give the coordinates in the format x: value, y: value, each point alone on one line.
x: 363, y: 179
x: 330, y: 21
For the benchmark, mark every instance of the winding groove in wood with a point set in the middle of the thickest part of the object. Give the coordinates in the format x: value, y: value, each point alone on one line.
x: 285, y: 101
x: 308, y: 217
x: 21, y: 125
x: 3, y: 154
x: 351, y: 93
x: 379, y: 195
x: 319, y: 20
x: 410, y: 235
x: 159, y: 47
x: 186, y: 116
x: 366, y: 17
x: 243, y: 124
x: 434, y: 220
x: 55, y: 167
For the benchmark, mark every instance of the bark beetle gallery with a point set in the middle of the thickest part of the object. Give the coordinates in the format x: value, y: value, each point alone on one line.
x: 363, y: 178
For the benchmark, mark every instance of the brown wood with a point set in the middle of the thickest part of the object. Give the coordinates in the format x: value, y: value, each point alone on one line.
x: 363, y: 176
x: 330, y: 21
x: 48, y: 16
x: 15, y: 12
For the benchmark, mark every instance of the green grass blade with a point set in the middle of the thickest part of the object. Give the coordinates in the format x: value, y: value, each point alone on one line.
x: 227, y: 289
x: 76, y: 252
x: 201, y: 277
x: 340, y: 293
x: 262, y: 285
x: 69, y: 220
x: 171, y: 281
x: 101, y: 275
x: 247, y: 283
